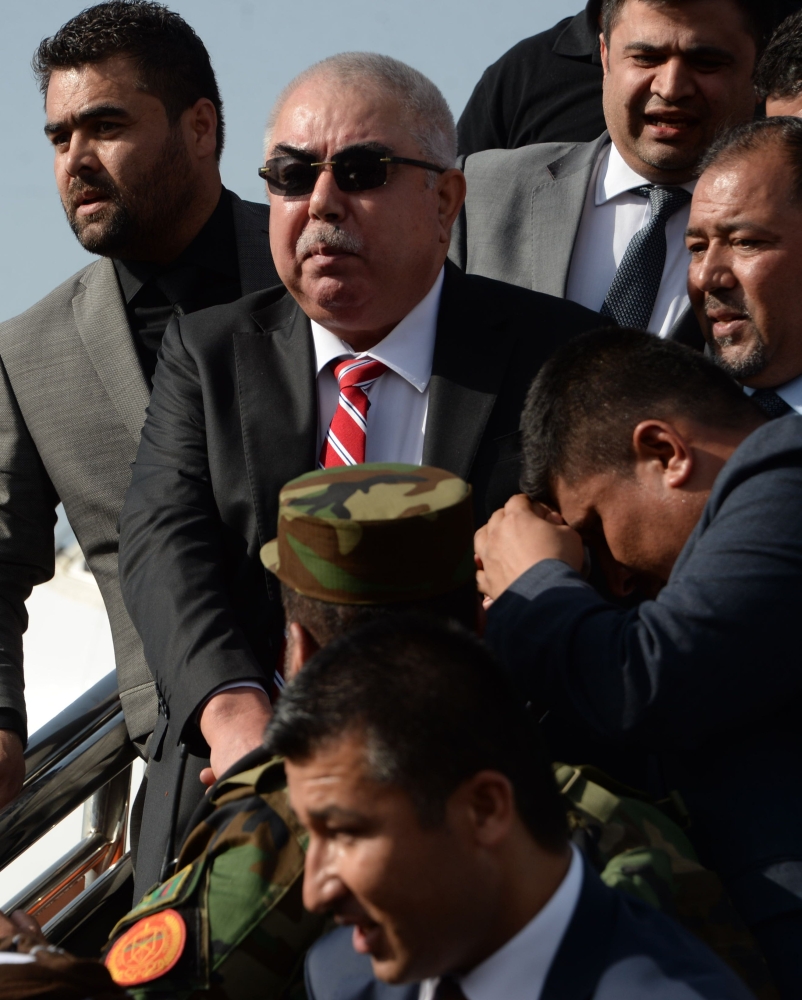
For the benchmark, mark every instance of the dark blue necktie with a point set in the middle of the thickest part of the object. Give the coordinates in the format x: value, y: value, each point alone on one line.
x: 632, y: 294
x: 770, y: 403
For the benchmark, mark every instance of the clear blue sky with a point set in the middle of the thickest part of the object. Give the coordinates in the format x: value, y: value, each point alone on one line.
x: 256, y: 48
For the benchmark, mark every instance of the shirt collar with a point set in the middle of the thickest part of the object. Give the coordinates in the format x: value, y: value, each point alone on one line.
x: 214, y: 248
x: 519, y: 969
x: 615, y: 176
x: 408, y: 348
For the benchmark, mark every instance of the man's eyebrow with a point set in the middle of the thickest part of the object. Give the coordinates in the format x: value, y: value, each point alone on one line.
x: 335, y: 813
x: 729, y: 227
x: 705, y: 51
x: 88, y: 114
x: 305, y: 154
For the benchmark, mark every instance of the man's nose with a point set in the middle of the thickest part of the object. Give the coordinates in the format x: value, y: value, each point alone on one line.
x: 322, y: 886
x: 327, y: 202
x: 673, y: 81
x: 80, y: 158
x: 710, y: 270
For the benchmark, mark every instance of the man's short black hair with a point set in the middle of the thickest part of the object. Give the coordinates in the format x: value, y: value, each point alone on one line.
x: 172, y: 61
x: 756, y: 136
x: 590, y: 395
x: 779, y: 72
x: 759, y: 16
x: 324, y: 620
x: 434, y: 708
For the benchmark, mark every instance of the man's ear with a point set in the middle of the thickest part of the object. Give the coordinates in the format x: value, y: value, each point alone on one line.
x: 659, y: 445
x: 451, y: 194
x: 300, y: 646
x: 488, y: 801
x: 202, y: 124
x: 605, y: 52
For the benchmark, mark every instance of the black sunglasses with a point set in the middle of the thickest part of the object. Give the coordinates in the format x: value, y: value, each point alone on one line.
x: 358, y: 170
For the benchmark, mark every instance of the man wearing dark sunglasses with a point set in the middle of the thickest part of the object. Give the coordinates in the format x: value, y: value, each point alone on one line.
x: 377, y: 350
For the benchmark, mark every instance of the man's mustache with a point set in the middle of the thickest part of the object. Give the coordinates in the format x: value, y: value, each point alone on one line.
x: 101, y: 186
x: 723, y: 300
x: 325, y: 234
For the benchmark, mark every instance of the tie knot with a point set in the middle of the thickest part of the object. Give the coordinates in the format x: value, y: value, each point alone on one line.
x: 665, y: 201
x: 360, y: 372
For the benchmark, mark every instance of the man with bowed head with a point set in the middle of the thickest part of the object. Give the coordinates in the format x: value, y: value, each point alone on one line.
x: 376, y: 350
x: 647, y: 453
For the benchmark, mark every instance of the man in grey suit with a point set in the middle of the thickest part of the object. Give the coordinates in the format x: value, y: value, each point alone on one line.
x: 602, y: 223
x: 134, y: 117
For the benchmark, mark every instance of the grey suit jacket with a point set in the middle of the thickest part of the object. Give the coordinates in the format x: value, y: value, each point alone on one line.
x: 72, y: 405
x: 522, y: 214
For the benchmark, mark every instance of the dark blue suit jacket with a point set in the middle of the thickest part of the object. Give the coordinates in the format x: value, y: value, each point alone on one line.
x: 616, y: 948
x: 709, y: 674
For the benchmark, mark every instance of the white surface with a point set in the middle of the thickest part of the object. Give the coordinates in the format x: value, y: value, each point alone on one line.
x: 68, y: 648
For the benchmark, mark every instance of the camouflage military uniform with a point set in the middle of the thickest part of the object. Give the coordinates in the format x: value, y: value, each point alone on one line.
x: 230, y: 923
x: 237, y: 893
x: 373, y: 534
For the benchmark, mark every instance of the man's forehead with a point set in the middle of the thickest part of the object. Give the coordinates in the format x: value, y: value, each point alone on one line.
x: 335, y: 114
x: 335, y: 770
x: 698, y: 23
x: 75, y: 86
x: 578, y: 498
x: 743, y: 190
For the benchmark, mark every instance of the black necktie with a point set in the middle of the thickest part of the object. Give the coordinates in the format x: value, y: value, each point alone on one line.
x: 770, y: 403
x: 448, y: 989
x: 632, y: 294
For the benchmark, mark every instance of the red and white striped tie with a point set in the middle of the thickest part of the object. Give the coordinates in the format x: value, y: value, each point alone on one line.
x: 345, y: 441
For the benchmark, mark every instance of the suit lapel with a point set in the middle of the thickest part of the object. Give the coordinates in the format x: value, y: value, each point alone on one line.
x: 278, y: 404
x: 103, y: 325
x: 251, y: 222
x: 583, y: 953
x: 556, y: 212
x: 470, y: 358
x: 686, y: 330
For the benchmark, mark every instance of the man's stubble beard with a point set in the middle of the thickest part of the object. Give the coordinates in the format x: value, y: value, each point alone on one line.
x: 746, y: 366
x: 140, y: 217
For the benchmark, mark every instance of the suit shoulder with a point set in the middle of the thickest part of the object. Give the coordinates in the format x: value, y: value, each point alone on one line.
x: 273, y: 304
x: 651, y: 949
x: 521, y: 161
x: 53, y: 307
x: 526, y: 302
x: 334, y: 971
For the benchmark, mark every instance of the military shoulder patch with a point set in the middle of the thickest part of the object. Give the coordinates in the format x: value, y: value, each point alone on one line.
x: 147, y: 950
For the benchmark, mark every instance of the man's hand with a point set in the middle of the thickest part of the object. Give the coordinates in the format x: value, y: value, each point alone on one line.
x: 24, y: 928
x: 12, y: 766
x: 517, y: 537
x: 233, y: 723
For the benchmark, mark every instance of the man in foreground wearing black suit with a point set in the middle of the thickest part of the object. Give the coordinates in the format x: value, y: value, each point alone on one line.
x: 659, y: 463
x: 363, y: 195
x: 438, y: 839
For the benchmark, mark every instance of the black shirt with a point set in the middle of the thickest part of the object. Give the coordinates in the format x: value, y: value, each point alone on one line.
x: 205, y: 274
x: 547, y: 88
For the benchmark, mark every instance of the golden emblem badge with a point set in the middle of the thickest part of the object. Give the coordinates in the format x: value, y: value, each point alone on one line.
x: 148, y: 949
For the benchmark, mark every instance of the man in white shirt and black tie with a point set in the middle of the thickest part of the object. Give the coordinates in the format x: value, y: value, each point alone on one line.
x: 375, y: 348
x: 439, y: 843
x: 602, y: 223
x: 745, y: 241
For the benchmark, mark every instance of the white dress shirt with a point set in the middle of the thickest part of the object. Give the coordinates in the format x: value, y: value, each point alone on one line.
x: 518, y: 970
x: 399, y: 400
x: 790, y: 393
x: 611, y: 217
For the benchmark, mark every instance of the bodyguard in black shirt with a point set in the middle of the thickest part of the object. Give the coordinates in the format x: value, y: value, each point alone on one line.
x: 547, y: 88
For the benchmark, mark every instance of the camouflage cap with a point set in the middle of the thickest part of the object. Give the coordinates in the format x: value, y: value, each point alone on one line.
x: 373, y: 534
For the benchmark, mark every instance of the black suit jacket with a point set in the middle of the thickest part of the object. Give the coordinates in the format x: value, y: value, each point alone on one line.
x: 233, y: 417
x: 615, y: 948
